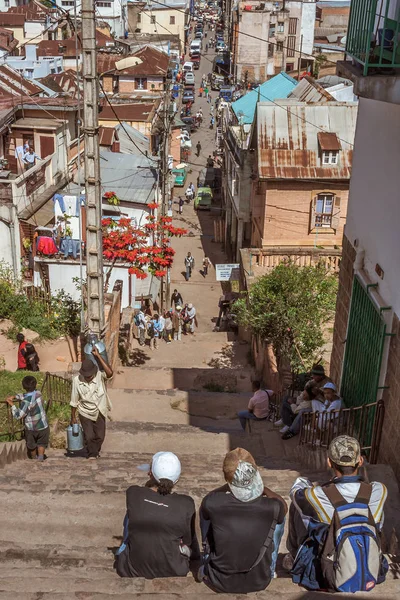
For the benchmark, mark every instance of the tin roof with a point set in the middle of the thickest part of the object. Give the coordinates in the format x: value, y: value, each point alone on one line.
x: 154, y: 62
x: 288, y: 141
x: 13, y: 84
x: 328, y: 141
x: 308, y: 90
x: 138, y: 111
x: 277, y: 87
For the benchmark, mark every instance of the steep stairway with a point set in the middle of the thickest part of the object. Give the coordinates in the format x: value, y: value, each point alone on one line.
x: 62, y: 521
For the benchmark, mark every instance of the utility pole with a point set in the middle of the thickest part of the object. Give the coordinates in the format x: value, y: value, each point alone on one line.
x: 165, y: 294
x: 94, y: 238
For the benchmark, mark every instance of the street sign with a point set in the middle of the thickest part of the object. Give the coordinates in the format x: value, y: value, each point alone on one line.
x: 227, y: 272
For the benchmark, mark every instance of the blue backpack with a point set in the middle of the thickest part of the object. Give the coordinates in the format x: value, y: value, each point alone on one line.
x: 351, y: 557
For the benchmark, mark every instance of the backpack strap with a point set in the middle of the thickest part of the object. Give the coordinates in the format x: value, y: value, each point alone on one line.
x: 334, y: 496
x: 269, y: 538
x: 364, y: 493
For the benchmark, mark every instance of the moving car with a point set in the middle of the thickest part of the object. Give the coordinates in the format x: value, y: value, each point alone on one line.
x: 199, y: 34
x: 179, y: 177
x: 196, y: 62
x: 203, y: 199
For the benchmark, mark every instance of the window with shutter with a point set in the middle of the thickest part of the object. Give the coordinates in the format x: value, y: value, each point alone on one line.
x: 336, y: 214
x: 291, y: 45
x: 292, y: 26
x: 313, y: 212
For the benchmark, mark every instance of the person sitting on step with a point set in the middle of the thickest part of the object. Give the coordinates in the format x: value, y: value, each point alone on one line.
x: 241, y: 525
x: 159, y: 528
x: 258, y: 408
x: 314, y: 507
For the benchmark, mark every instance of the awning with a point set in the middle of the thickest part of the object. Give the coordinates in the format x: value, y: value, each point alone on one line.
x: 328, y: 142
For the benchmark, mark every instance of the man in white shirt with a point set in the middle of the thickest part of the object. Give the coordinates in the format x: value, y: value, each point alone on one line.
x: 89, y: 398
x: 258, y: 408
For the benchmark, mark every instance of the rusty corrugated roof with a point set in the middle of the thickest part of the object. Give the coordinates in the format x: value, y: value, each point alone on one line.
x: 308, y: 90
x: 328, y: 141
x: 288, y: 143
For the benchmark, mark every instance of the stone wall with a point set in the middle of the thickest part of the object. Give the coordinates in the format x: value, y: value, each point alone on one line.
x: 342, y: 309
x: 389, y: 450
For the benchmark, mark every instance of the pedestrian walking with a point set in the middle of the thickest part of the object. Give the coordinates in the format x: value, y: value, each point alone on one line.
x: 189, y: 265
x: 190, y: 318
x: 212, y: 123
x: 206, y: 49
x: 211, y: 110
x: 206, y: 92
x: 201, y: 91
x: 198, y: 148
x: 209, y: 99
x: 210, y: 161
x: 189, y: 194
x: 181, y: 203
x: 176, y: 299
x: 155, y: 330
x: 89, y: 398
x: 191, y: 187
x: 206, y: 264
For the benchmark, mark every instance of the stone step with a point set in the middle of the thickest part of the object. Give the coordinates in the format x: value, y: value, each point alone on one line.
x: 169, y: 378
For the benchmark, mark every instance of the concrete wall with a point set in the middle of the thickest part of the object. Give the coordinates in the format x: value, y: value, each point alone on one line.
x: 33, y: 67
x: 163, y: 25
x: 282, y: 213
x: 374, y: 207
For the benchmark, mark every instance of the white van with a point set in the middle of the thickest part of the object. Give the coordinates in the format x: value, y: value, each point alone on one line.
x: 195, y: 45
x: 188, y: 66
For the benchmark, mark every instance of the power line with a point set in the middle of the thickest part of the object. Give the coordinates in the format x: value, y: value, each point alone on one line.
x: 249, y: 35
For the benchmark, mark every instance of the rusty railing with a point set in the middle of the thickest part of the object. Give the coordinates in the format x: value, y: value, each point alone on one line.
x: 362, y: 422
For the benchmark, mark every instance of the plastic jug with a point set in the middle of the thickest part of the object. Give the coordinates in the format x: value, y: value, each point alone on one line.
x: 92, y: 340
x: 74, y: 437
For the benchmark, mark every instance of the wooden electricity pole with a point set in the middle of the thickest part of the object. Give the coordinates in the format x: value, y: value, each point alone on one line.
x: 94, y: 239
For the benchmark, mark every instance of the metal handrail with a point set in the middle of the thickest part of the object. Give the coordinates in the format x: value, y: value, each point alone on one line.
x: 54, y: 389
x: 362, y: 422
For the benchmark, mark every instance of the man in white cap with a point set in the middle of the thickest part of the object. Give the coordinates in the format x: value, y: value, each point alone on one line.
x: 241, y: 527
x: 159, y: 528
x: 190, y: 318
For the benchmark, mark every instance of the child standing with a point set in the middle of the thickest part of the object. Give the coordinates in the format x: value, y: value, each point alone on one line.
x: 206, y: 264
x: 37, y: 431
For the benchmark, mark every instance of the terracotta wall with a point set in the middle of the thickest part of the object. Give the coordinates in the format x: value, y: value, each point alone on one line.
x: 286, y: 218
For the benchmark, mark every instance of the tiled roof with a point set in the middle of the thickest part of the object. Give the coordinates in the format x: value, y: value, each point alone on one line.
x: 277, y: 87
x: 139, y: 111
x: 154, y: 62
x: 13, y: 84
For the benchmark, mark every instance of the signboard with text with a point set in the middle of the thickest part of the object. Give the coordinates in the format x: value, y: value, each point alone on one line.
x: 227, y: 272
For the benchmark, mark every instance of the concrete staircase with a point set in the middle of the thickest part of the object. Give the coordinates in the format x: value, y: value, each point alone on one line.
x: 62, y: 520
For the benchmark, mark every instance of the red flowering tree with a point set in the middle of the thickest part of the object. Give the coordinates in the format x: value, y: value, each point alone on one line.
x: 145, y: 249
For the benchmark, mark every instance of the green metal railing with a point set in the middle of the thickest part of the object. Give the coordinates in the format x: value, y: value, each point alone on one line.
x: 55, y: 389
x: 372, y: 37
x: 362, y: 422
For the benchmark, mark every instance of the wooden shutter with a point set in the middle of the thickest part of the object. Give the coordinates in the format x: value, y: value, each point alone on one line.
x: 46, y: 146
x: 291, y: 45
x: 292, y: 26
x: 313, y: 212
x: 336, y: 213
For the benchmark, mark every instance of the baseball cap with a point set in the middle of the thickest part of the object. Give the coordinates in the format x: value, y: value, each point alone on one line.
x: 166, y: 465
x: 329, y: 386
x: 344, y: 451
x: 242, y: 475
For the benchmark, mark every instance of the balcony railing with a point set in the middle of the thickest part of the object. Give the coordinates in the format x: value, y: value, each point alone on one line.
x: 362, y: 422
x: 373, y: 34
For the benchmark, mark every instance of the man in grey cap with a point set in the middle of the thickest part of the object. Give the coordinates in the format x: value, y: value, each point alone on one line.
x: 90, y: 399
x: 311, y: 510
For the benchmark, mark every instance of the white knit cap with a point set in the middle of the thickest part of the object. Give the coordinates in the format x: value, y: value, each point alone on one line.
x: 166, y: 465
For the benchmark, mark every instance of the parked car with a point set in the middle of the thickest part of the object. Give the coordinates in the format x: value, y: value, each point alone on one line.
x: 190, y: 123
x: 196, y: 62
x: 226, y: 92
x: 187, y: 96
x: 203, y: 199
x: 179, y: 177
x: 217, y: 81
x: 189, y: 78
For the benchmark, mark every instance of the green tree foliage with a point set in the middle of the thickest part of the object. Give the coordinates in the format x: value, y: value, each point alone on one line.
x: 50, y: 316
x: 289, y: 307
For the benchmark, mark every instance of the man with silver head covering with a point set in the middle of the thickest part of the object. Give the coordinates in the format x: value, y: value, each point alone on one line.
x: 241, y: 526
